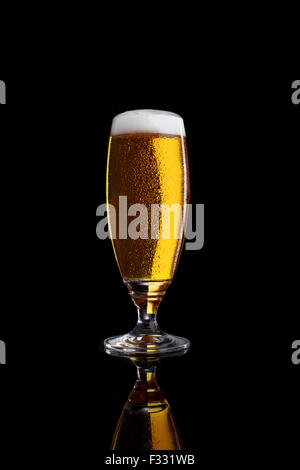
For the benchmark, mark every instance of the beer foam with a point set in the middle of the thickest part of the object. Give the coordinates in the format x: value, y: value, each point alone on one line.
x: 148, y: 121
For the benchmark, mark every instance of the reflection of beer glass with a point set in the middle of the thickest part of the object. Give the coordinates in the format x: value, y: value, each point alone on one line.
x: 147, y: 421
x: 147, y: 163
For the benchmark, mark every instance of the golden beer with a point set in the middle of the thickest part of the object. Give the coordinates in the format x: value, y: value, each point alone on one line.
x: 150, y: 169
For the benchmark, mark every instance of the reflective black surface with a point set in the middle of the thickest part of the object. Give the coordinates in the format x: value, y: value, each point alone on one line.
x: 235, y: 393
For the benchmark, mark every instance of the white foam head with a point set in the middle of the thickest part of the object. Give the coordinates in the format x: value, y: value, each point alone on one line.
x: 148, y: 121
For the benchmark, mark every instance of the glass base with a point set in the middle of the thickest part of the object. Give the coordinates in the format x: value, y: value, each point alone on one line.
x: 146, y: 338
x: 144, y: 344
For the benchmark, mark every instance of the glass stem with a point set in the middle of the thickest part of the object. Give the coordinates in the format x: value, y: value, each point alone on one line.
x: 147, y: 321
x: 146, y: 375
x: 147, y: 296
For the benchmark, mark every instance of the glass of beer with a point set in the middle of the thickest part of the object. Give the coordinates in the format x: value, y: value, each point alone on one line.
x: 147, y: 201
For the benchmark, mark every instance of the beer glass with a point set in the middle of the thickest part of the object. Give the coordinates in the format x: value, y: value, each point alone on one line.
x: 147, y: 178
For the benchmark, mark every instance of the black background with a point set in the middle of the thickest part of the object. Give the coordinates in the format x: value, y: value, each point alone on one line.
x: 236, y: 299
